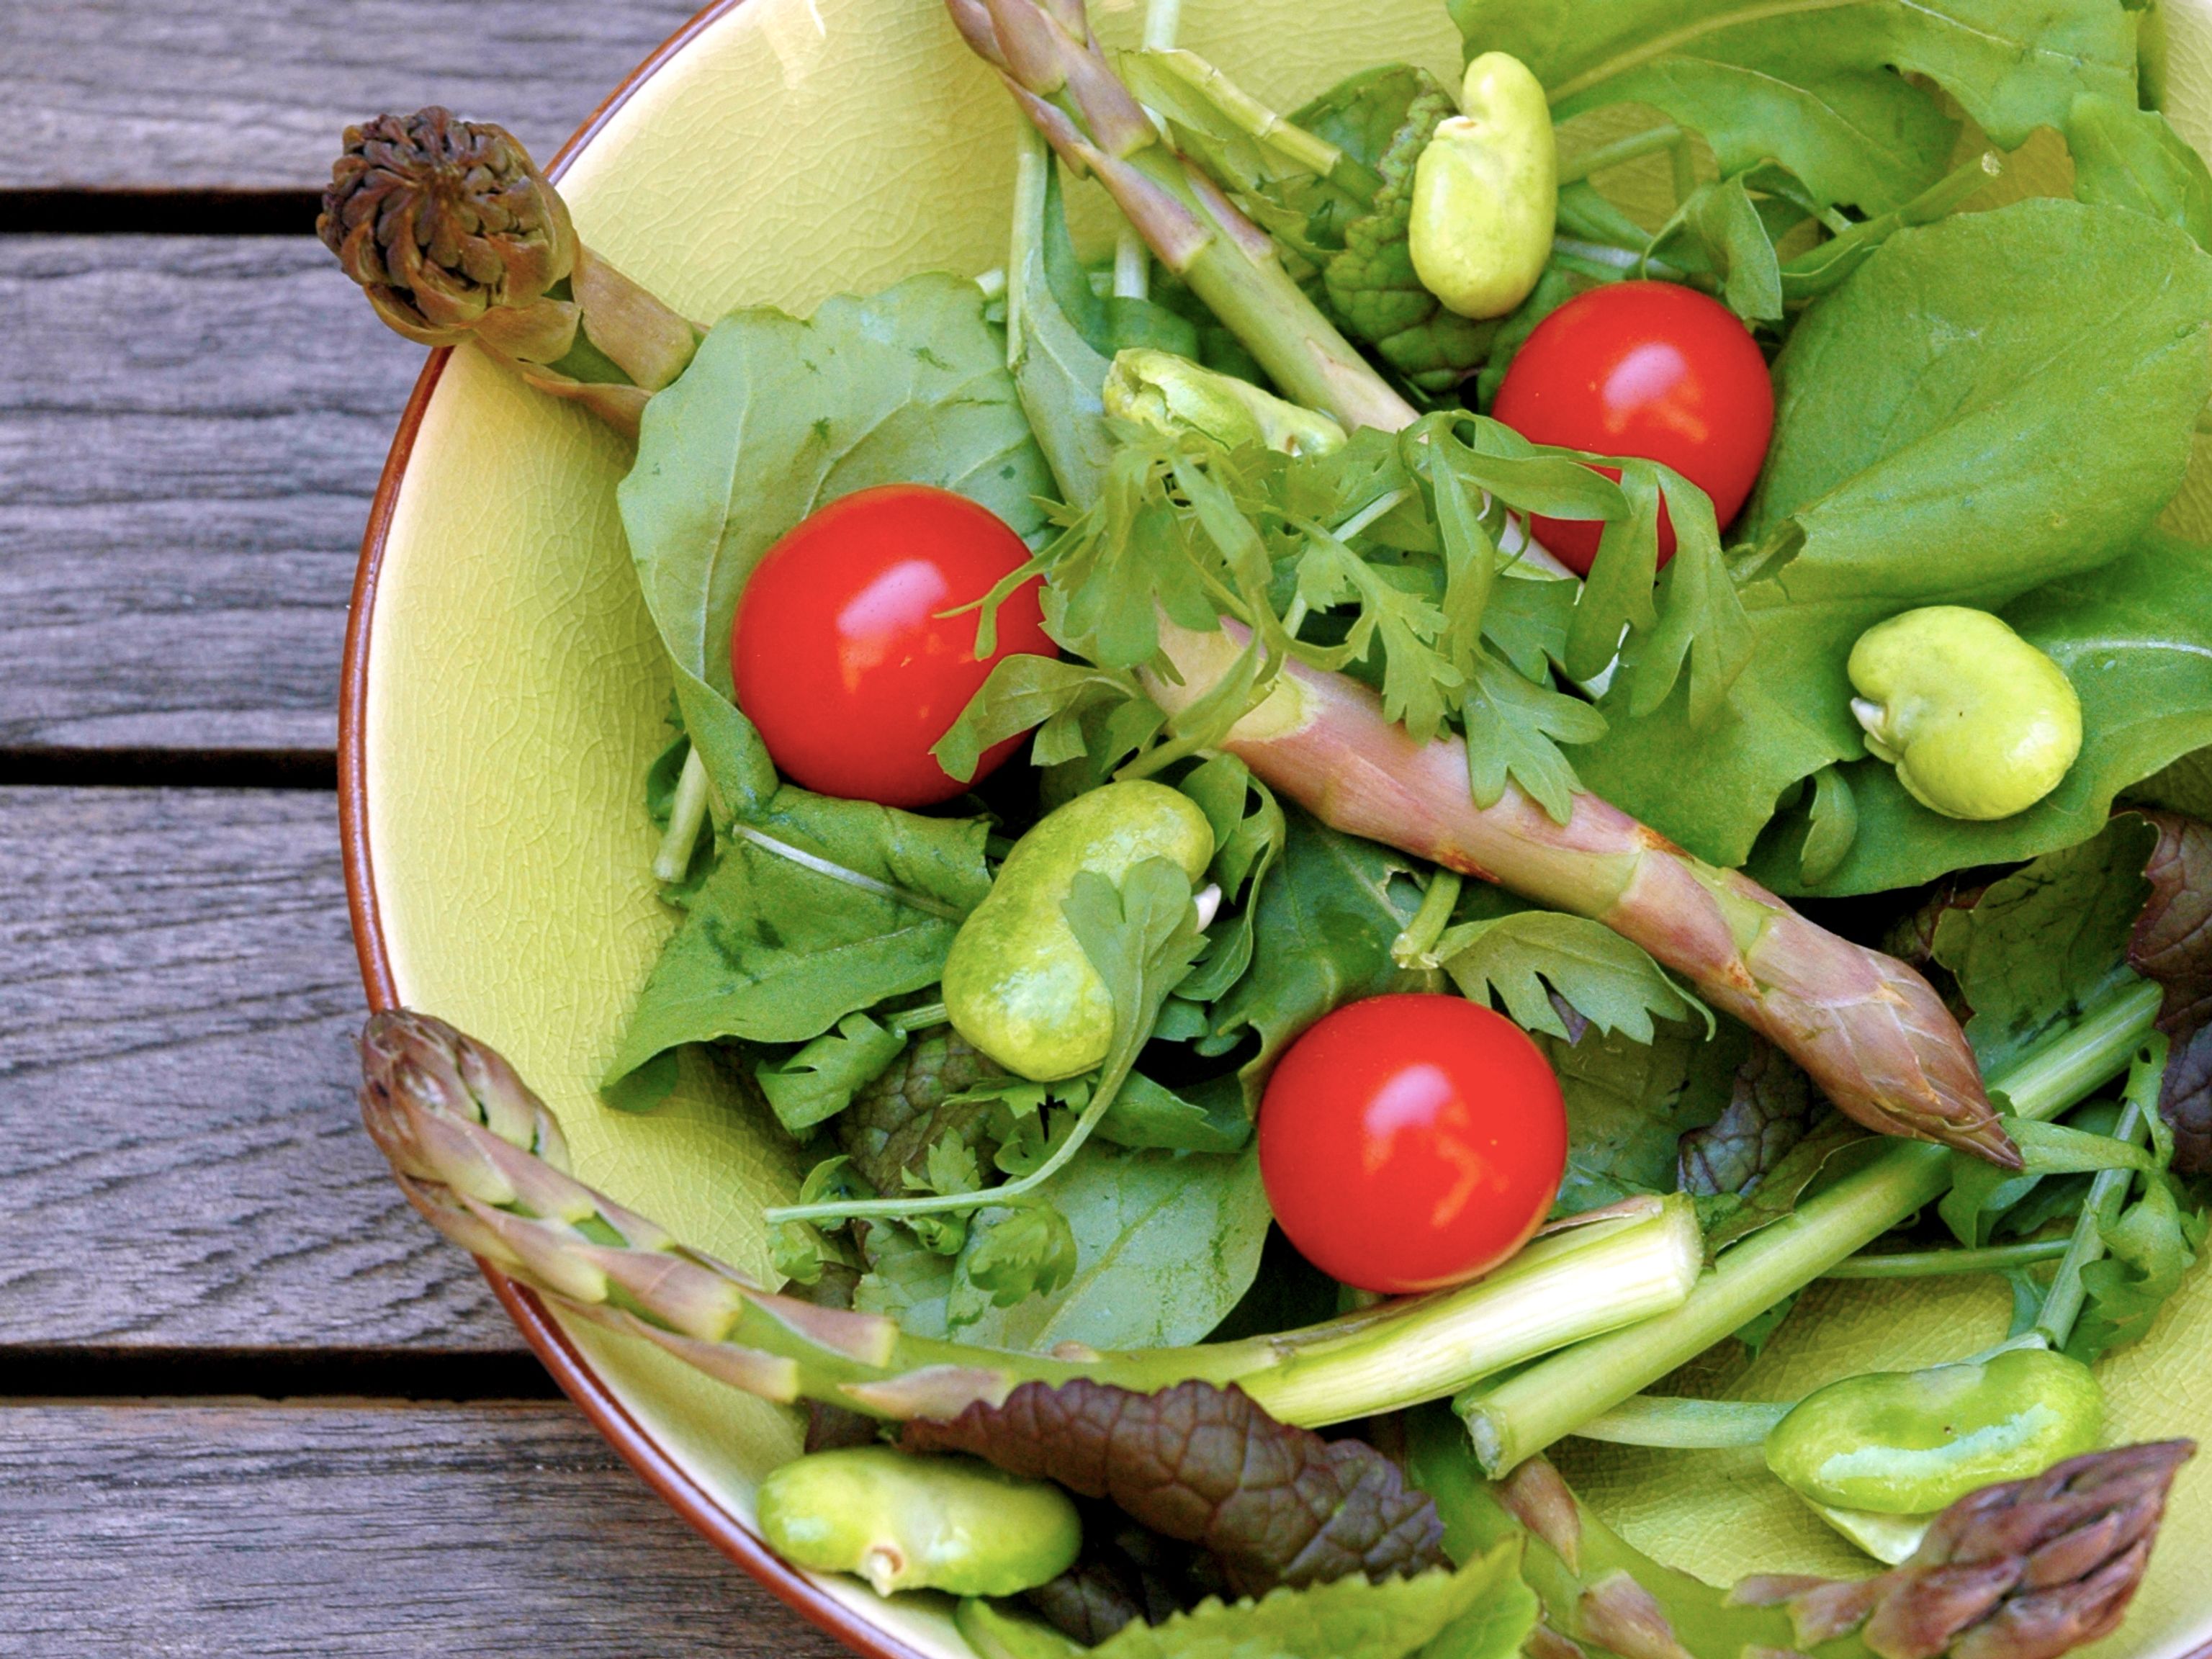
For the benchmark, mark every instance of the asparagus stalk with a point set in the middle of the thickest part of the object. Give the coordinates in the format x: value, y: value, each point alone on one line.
x: 1518, y: 1418
x: 457, y: 237
x: 481, y: 1157
x: 1869, y: 1029
x: 2026, y: 1570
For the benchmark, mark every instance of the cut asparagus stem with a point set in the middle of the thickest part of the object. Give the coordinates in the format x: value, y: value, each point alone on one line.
x: 2062, y: 1302
x: 481, y: 1157
x: 1515, y: 1419
x: 685, y: 814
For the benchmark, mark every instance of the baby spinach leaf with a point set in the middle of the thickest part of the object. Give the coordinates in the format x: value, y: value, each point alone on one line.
x: 778, y: 948
x: 1323, y: 934
x: 1273, y: 1504
x: 1940, y: 439
x: 1165, y: 1244
x: 820, y: 1080
x: 2048, y: 941
x: 2135, y: 640
x: 1210, y: 1118
x: 776, y: 417
x: 1819, y: 88
x: 1628, y: 1104
x: 2133, y: 158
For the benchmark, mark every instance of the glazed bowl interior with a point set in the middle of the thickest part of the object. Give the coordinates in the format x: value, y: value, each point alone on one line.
x: 513, y: 693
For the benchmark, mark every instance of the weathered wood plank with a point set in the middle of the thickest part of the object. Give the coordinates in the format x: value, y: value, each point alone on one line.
x: 190, y: 431
x: 321, y: 1530
x: 253, y: 93
x: 184, y: 1168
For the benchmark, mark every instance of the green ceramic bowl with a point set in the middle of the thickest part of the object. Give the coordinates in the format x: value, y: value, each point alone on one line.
x: 505, y: 693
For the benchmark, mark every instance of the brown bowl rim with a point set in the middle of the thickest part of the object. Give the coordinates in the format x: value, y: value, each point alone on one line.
x: 562, y: 1358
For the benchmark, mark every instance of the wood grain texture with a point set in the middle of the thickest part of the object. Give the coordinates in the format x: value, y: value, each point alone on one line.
x: 475, y: 1532
x: 253, y: 93
x: 190, y: 431
x: 183, y: 1164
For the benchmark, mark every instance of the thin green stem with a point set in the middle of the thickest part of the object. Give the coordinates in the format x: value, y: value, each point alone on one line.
x: 921, y: 1019
x: 1519, y: 1417
x: 1412, y: 947
x: 2062, y: 1302
x: 1619, y: 153
x: 1928, y: 1264
x: 1032, y: 156
x: 1647, y: 1420
x: 685, y: 815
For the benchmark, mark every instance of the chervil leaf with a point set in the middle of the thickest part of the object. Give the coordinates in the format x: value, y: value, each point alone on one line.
x: 1012, y: 1256
x: 1523, y: 957
x: 820, y: 1080
x: 2153, y: 1244
x: 1248, y: 832
x: 1514, y: 729
x: 1023, y: 692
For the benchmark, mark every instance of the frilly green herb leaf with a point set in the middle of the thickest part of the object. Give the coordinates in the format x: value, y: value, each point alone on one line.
x: 1525, y: 957
x: 820, y: 1080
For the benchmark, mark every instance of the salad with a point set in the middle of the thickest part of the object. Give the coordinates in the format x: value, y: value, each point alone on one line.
x: 1242, y: 798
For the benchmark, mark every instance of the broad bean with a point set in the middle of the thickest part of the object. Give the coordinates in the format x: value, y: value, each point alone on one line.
x: 1978, y: 723
x: 907, y: 1522
x: 1016, y: 982
x: 1486, y: 192
x: 1174, y: 395
x: 1908, y: 1443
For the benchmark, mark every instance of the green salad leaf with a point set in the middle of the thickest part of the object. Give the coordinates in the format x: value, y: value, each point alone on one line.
x: 1628, y: 1105
x: 1164, y: 1245
x: 1940, y: 438
x: 1821, y: 90
x: 2133, y: 158
x: 2047, y: 941
x: 817, y: 909
x: 820, y: 1080
x: 1322, y: 933
x: 1524, y: 957
x: 1481, y: 1611
x: 2135, y: 640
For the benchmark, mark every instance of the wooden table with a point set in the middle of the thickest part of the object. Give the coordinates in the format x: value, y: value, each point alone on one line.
x: 249, y: 1405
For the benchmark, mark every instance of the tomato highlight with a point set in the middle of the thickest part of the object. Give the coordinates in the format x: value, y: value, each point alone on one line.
x: 1650, y: 369
x: 842, y: 654
x: 1411, y: 1142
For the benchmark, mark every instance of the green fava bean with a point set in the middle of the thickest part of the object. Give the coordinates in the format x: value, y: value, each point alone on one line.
x: 1486, y: 192
x: 1910, y: 1443
x: 905, y: 1522
x: 1978, y: 723
x: 1016, y: 982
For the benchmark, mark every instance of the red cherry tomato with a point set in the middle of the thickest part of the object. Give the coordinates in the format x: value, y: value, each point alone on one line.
x: 842, y: 658
x: 1410, y: 1142
x: 1650, y: 369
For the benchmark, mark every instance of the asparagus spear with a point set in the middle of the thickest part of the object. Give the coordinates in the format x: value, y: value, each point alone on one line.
x: 481, y: 1157
x: 455, y: 235
x: 1866, y: 1028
